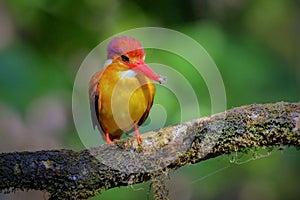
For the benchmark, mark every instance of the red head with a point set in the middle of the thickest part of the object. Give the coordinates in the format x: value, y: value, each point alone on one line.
x: 130, y: 52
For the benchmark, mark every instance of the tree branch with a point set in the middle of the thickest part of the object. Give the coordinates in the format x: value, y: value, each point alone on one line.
x: 76, y: 175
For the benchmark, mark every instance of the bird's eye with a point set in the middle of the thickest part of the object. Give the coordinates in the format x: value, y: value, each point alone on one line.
x: 124, y: 58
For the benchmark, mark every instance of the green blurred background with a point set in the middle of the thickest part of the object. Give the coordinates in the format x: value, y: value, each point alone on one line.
x: 255, y: 44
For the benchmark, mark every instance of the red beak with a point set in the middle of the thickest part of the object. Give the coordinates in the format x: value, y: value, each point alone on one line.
x: 141, y: 66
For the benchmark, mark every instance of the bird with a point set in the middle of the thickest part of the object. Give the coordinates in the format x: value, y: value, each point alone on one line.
x: 121, y: 95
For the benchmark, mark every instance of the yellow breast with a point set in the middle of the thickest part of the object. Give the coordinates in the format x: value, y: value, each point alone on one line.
x: 125, y: 97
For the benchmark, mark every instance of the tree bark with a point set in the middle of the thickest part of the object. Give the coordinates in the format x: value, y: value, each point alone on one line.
x: 67, y: 174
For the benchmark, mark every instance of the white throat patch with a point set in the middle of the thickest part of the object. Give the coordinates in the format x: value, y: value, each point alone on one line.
x: 127, y: 74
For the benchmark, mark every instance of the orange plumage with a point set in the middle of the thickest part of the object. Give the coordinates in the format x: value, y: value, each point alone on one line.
x: 121, y: 95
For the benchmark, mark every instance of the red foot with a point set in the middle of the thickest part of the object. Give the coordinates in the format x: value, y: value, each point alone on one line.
x: 137, y: 134
x: 107, y: 138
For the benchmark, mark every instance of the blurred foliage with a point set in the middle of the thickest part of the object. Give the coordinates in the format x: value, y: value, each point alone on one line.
x: 255, y: 45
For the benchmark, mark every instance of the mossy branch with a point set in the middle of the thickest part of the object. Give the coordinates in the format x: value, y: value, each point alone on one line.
x: 67, y: 174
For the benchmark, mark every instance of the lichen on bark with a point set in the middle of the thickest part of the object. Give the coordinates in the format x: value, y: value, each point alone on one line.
x: 68, y: 174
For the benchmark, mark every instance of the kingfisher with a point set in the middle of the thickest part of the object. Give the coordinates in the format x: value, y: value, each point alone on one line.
x: 121, y: 95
